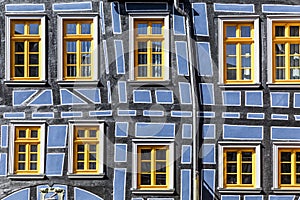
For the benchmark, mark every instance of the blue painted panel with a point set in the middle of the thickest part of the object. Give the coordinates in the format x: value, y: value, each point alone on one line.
x: 71, y: 114
x: 121, y: 129
x: 122, y: 92
x: 142, y: 96
x: 57, y: 136
x: 108, y: 92
x: 296, y: 100
x: 281, y: 197
x: 231, y: 98
x: 279, y: 117
x: 255, y: 115
x: 208, y: 154
x: 43, y: 115
x: 105, y: 54
x: 137, y: 199
x: 186, y: 154
x: 100, y: 113
x: 280, y: 99
x: 4, y: 136
x: 181, y: 113
x: 54, y: 164
x: 187, y: 131
x: 21, y: 96
x: 14, y: 115
x: 271, y: 8
x: 43, y: 99
x: 91, y: 94
x: 243, y: 132
x: 200, y: 19
x: 120, y: 152
x: 49, y: 194
x: 230, y: 197
x: 120, y: 62
x: 254, y: 98
x: 127, y: 112
x: 178, y: 22
x: 181, y: 58
x: 206, y: 114
x: 164, y: 96
x: 297, y: 117
x: 3, y: 164
x: 185, y: 93
x: 242, y: 8
x: 76, y: 6
x: 207, y: 93
x: 186, y: 188
x: 116, y: 20
x: 155, y: 113
x: 204, y: 59
x: 285, y: 133
x: 230, y: 115
x: 155, y: 130
x: 208, y: 131
x: 253, y: 197
x: 68, y: 98
x: 209, y: 180
x: 25, y: 7
x: 145, y: 6
x: 81, y: 194
x: 119, y: 184
x: 101, y: 12
x: 19, y: 195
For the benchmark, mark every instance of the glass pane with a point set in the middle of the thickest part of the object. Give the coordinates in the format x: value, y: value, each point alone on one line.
x: 161, y: 154
x: 34, y: 71
x: 85, y: 46
x: 34, y: 134
x: 92, y: 165
x: 71, y: 59
x: 146, y: 154
x: 92, y: 156
x: 295, y: 73
x: 298, y: 168
x: 298, y: 179
x: 33, y: 157
x: 33, y: 148
x: 93, y: 148
x: 146, y: 167
x: 33, y: 59
x: 297, y: 156
x: 71, y: 71
x: 21, y: 157
x: 85, y: 71
x: 33, y: 46
x: 19, y: 46
x: 85, y: 28
x: 231, y: 156
x: 160, y: 166
x: 245, y: 31
x: 19, y: 59
x: 230, y: 31
x: 80, y: 133
x: 21, y: 166
x: 246, y: 179
x: 231, y: 49
x: 71, y: 46
x: 280, y: 74
x: 294, y: 49
x: 285, y: 179
x: 19, y: 71
x: 231, y: 179
x: 247, y: 167
x: 33, y: 166
x: 145, y: 179
x: 142, y: 71
x: 142, y: 46
x: 156, y: 46
x: 156, y: 71
x: 142, y: 59
x: 160, y: 179
x: 142, y: 28
x: 80, y: 148
x: 279, y: 48
x: 156, y: 28
x: 156, y: 59
x: 280, y: 61
x: 294, y: 61
x: 22, y: 134
x: 246, y: 156
x: 80, y: 165
x: 19, y: 29
x: 246, y: 49
x: 22, y: 148
x: 93, y: 133
x: 86, y: 59
x: 80, y: 156
x: 71, y: 28
x: 285, y: 168
x: 231, y: 168
x: 285, y: 156
x: 294, y: 31
x: 33, y: 28
x: 279, y: 31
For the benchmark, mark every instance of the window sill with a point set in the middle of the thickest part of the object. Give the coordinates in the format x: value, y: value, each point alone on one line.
x: 78, y: 83
x: 152, y: 191
x: 238, y: 86
x: 25, y: 83
x: 240, y: 190
x: 86, y: 176
x: 287, y: 85
x: 26, y: 176
x: 294, y: 190
x: 149, y: 83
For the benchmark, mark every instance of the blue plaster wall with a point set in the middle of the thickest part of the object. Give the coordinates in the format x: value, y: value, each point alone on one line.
x: 186, y: 188
x: 152, y: 130
x: 185, y: 93
x: 19, y: 195
x: 208, y: 131
x: 121, y: 129
x: 207, y: 93
x: 4, y: 136
x: 208, y: 154
x: 186, y: 154
x: 241, y: 8
x: 181, y: 58
x: 81, y: 194
x: 119, y: 184
x: 242, y: 132
x: 204, y: 59
x: 54, y: 164
x: 231, y: 98
x: 200, y: 19
x: 116, y: 21
x: 120, y: 152
x: 57, y: 136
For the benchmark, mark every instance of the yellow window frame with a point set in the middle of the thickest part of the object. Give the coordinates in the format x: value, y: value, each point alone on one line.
x: 286, y: 40
x: 238, y: 41
x: 153, y: 172
x: 26, y: 38
x: 148, y: 38
x: 293, y: 168
x: 26, y: 141
x: 86, y: 141
x: 78, y: 38
x: 239, y: 172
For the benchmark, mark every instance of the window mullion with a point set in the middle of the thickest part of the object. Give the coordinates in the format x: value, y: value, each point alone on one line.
x: 77, y: 58
x: 27, y: 153
x: 26, y: 58
x: 238, y: 61
x: 239, y: 166
x: 153, y: 181
x: 149, y: 58
x: 287, y: 60
x: 293, y: 168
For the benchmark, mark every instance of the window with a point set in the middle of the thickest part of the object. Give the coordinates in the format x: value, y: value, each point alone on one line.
x: 78, y: 48
x: 238, y: 46
x: 239, y: 166
x: 149, y: 42
x: 25, y: 49
x: 153, y: 166
x: 27, y: 149
x: 86, y: 149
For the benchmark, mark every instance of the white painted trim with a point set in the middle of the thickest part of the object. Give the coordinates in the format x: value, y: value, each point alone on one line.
x: 279, y: 116
x: 108, y: 92
x: 102, y: 19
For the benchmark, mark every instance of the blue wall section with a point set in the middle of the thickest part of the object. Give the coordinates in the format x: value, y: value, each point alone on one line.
x: 121, y: 129
x: 54, y: 164
x: 185, y: 93
x: 231, y: 115
x: 296, y: 100
x: 254, y: 98
x: 164, y: 96
x: 122, y: 92
x: 242, y: 132
x: 43, y: 99
x: 208, y: 154
x: 255, y: 115
x: 208, y: 131
x: 68, y: 98
x: 21, y: 96
x: 120, y: 61
x: 91, y: 94
x: 206, y: 114
x: 120, y: 152
x: 4, y: 136
x: 281, y: 197
x: 42, y: 115
x: 155, y: 130
x: 25, y: 7
x: 3, y: 164
x: 14, y: 115
x: 253, y: 197
x: 178, y: 23
x: 127, y: 112
x: 187, y: 131
x: 285, y: 133
x: 280, y: 99
x: 204, y: 59
x: 231, y: 98
x: 181, y: 58
x: 116, y: 21
x: 186, y: 154
x: 100, y: 113
x: 154, y: 113
x: 200, y: 19
x: 181, y: 113
x: 241, y: 8
x: 271, y: 8
x: 57, y: 136
x: 279, y: 117
x: 230, y: 197
x: 119, y: 184
x: 71, y: 114
x: 208, y: 188
x: 186, y: 188
x: 19, y: 195
x: 142, y: 96
x: 207, y: 93
x: 81, y: 194
x: 79, y: 6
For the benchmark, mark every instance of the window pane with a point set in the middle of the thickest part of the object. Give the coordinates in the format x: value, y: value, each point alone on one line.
x: 93, y: 133
x: 92, y: 165
x: 92, y: 156
x: 22, y: 134
x: 80, y: 156
x: 145, y: 179
x: 19, y: 71
x: 85, y: 28
x: 156, y: 46
x: 19, y: 46
x: 22, y: 148
x: 146, y: 154
x: 33, y: 28
x: 142, y: 46
x: 33, y: 148
x: 285, y: 168
x: 33, y: 46
x: 230, y: 31
x: 86, y: 59
x: 33, y: 166
x: 19, y: 29
x: 160, y: 166
x: 33, y: 157
x: 34, y: 134
x: 298, y: 179
x: 156, y: 59
x: 285, y: 156
x: 231, y: 179
x: 294, y: 31
x: 80, y: 133
x: 80, y: 148
x: 298, y: 168
x: 156, y: 28
x: 21, y: 157
x: 246, y: 179
x: 142, y: 59
x: 279, y: 31
x: 285, y: 179
x: 19, y: 59
x: 71, y: 59
x: 297, y: 156
x: 142, y: 28
x: 280, y: 61
x: 71, y: 46
x: 247, y: 167
x: 71, y: 28
x: 71, y: 71
x: 231, y: 156
x: 93, y: 148
x: 231, y: 168
x: 245, y: 31
x: 156, y: 71
x: 33, y: 59
x: 160, y: 154
x: 295, y: 73
x: 21, y: 166
x: 160, y: 179
x: 246, y: 156
x: 246, y: 74
x: 34, y: 71
x: 85, y: 71
x: 146, y: 167
x: 85, y: 46
x: 142, y: 71
x: 80, y: 165
x: 279, y: 48
x: 280, y: 74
